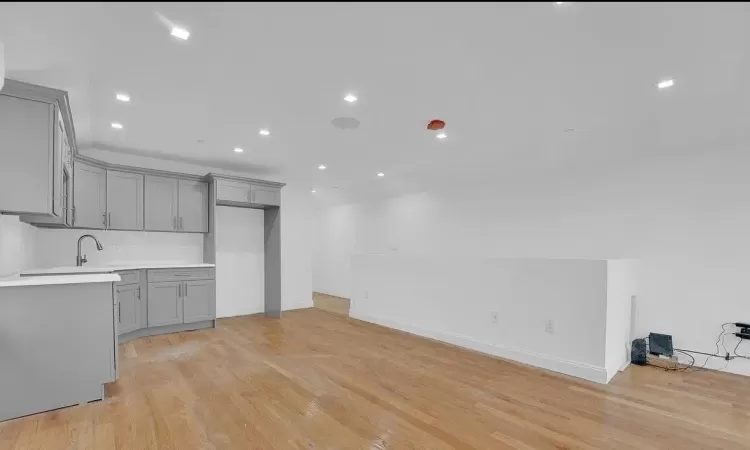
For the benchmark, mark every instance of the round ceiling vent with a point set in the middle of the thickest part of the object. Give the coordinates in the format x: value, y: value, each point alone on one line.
x: 345, y: 123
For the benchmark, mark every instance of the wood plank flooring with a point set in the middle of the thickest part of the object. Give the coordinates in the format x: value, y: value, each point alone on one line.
x: 331, y: 303
x: 315, y: 380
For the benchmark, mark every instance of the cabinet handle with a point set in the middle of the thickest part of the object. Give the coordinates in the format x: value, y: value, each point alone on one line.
x: 104, y: 217
x: 109, y: 220
x: 186, y: 290
x: 119, y: 313
x: 181, y: 226
x: 179, y: 290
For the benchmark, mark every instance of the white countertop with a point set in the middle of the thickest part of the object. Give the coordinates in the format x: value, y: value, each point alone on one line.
x: 58, y: 279
x: 115, y: 267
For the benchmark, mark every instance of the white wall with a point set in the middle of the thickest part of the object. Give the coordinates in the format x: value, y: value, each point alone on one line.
x: 54, y: 248
x: 622, y: 287
x: 16, y: 245
x: 239, y: 261
x: 453, y: 300
x: 685, y: 218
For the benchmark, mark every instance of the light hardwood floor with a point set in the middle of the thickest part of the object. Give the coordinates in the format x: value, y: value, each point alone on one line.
x: 331, y: 303
x: 316, y: 380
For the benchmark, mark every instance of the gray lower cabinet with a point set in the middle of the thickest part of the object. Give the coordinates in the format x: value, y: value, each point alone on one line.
x: 89, y: 196
x: 160, y: 206
x: 128, y: 308
x: 124, y: 200
x: 199, y: 301
x: 164, y: 303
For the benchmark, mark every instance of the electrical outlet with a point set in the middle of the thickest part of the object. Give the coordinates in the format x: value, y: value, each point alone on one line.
x: 550, y: 327
x: 495, y: 316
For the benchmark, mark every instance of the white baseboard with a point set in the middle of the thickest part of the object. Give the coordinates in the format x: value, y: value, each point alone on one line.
x: 580, y: 370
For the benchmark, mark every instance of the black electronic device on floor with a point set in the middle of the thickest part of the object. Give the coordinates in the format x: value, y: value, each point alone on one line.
x: 638, y: 352
x: 660, y: 344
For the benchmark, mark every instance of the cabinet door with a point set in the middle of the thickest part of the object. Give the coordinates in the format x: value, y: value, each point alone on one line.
x: 199, y: 301
x: 89, y: 196
x: 193, y: 206
x: 232, y: 191
x: 26, y: 144
x: 263, y: 195
x: 164, y: 303
x: 160, y: 204
x: 57, y: 166
x: 124, y: 200
x: 128, y: 308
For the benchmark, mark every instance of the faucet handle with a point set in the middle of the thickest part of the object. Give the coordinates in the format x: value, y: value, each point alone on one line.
x: 84, y: 260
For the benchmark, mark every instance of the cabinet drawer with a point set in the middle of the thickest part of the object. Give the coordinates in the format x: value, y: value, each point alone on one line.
x: 129, y: 277
x: 158, y: 275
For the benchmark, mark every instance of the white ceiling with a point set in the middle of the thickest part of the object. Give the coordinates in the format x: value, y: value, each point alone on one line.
x: 508, y: 79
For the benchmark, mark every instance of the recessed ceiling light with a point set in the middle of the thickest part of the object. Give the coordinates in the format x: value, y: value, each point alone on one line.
x: 313, y: 191
x: 180, y: 33
x: 117, y: 125
x: 123, y: 97
x: 381, y: 174
x: 665, y: 84
x: 322, y: 167
x: 351, y: 98
x: 441, y: 136
x: 238, y: 150
x: 264, y: 132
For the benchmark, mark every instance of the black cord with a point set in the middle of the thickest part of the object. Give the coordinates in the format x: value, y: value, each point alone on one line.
x: 738, y: 346
x: 725, y: 356
x: 692, y: 361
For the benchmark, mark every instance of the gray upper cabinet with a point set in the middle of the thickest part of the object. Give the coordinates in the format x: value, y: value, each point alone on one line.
x: 264, y: 195
x: 232, y: 191
x: 89, y: 196
x: 193, y: 206
x: 164, y: 303
x: 160, y: 211
x: 27, y: 168
x: 124, y: 200
x: 247, y: 193
x: 199, y: 301
x: 128, y: 308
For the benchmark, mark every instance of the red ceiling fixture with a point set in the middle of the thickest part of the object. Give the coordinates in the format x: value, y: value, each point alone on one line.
x: 435, y: 125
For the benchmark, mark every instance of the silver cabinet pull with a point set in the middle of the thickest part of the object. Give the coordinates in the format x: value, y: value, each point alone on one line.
x: 109, y: 220
x: 182, y: 227
x: 119, y: 312
x: 179, y: 290
x: 104, y: 218
x: 186, y: 290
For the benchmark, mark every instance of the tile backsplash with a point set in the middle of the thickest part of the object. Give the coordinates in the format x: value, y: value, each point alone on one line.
x: 55, y: 248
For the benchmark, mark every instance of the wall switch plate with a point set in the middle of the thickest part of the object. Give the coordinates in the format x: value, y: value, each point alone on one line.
x: 550, y: 327
x: 495, y: 316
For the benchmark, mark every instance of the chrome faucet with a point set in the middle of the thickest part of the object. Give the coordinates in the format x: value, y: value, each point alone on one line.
x: 81, y: 261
